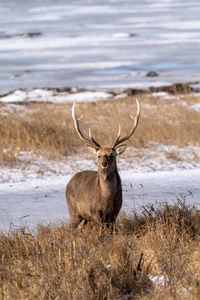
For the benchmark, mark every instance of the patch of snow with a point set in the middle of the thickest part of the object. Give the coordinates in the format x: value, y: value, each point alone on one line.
x: 161, y: 158
x: 164, y: 95
x: 27, y: 96
x: 122, y: 35
x: 195, y: 107
x: 120, y: 96
x: 87, y: 96
x: 158, y: 280
x: 42, y: 95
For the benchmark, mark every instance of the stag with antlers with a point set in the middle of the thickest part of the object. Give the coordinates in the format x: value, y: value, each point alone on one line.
x: 97, y: 195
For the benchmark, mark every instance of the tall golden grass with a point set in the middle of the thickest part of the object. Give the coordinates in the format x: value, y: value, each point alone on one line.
x: 150, y: 255
x: 49, y: 128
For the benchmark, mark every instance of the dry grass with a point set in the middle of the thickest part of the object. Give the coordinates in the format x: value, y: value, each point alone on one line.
x: 49, y: 128
x: 39, y: 128
x: 151, y: 255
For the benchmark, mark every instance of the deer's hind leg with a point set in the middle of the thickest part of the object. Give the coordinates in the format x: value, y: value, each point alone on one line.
x: 74, y: 216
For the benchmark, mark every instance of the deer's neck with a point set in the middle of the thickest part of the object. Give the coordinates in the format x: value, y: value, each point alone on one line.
x: 108, y: 183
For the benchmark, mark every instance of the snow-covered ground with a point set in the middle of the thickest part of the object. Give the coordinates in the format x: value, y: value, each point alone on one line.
x: 75, y: 95
x: 35, y: 192
x: 42, y: 95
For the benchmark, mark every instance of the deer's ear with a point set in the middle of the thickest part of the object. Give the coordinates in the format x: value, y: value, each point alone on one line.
x: 120, y: 149
x: 92, y: 150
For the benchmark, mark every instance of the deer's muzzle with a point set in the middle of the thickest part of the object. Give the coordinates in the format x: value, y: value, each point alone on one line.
x: 104, y: 165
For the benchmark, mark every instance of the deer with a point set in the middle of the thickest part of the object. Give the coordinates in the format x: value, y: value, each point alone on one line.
x: 96, y: 196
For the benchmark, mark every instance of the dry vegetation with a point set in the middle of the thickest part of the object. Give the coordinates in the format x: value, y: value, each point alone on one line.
x: 49, y: 128
x: 151, y: 255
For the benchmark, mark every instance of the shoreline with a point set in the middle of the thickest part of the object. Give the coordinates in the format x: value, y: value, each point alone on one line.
x: 65, y: 94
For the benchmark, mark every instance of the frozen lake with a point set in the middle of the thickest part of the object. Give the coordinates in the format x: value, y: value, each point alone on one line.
x: 98, y: 43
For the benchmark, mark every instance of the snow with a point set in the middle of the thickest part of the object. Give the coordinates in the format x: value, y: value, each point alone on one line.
x: 158, y: 280
x: 121, y: 35
x: 195, y: 107
x: 42, y: 95
x: 74, y: 95
x: 88, y: 96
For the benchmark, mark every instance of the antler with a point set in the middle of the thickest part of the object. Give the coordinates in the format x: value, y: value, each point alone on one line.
x: 90, y: 142
x: 136, y: 120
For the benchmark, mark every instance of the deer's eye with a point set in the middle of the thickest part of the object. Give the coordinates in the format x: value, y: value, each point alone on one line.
x: 99, y: 156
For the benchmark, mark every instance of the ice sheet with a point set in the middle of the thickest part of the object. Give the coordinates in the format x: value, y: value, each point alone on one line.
x: 98, y: 44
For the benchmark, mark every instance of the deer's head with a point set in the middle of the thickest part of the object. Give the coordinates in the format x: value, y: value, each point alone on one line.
x: 106, y: 156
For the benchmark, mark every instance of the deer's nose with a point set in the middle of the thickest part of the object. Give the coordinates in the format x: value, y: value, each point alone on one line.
x: 104, y: 164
